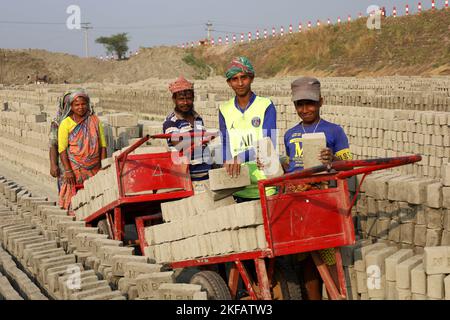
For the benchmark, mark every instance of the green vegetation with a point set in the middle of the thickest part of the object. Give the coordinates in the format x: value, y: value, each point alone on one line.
x: 117, y: 43
x: 199, y: 65
x: 408, y: 45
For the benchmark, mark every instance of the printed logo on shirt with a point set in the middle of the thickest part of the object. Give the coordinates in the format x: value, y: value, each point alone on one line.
x: 256, y: 122
x: 344, y: 154
x: 246, y: 142
x: 298, y: 150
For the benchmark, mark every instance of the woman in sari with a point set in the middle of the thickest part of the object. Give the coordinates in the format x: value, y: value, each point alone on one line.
x: 81, y: 145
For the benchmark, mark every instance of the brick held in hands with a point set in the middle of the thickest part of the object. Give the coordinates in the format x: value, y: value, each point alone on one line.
x: 312, y: 144
x: 267, y: 154
x: 219, y: 179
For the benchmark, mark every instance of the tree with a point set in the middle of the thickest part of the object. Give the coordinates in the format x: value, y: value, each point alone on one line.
x: 117, y: 43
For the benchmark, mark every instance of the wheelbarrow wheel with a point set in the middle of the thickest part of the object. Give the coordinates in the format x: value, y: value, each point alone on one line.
x: 285, y: 283
x: 103, y: 228
x: 213, y: 284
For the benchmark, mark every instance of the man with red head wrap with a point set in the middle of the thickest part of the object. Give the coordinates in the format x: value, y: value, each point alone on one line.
x: 185, y: 119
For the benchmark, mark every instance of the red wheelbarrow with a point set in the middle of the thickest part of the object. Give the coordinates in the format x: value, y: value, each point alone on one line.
x: 295, y: 222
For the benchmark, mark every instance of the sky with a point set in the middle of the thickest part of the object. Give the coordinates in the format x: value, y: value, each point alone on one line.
x: 42, y: 24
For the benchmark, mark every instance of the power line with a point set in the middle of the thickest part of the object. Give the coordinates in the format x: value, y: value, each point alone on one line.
x: 106, y: 27
x: 32, y: 22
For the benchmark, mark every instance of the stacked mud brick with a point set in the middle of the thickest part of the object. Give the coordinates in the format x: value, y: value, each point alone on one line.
x: 199, y: 226
x: 366, y: 108
x: 122, y: 127
x: 408, y: 219
x: 103, y: 188
x: 414, y: 212
x: 24, y: 139
x: 36, y: 242
x: 389, y: 133
x: 383, y: 271
x: 58, y: 258
x: 98, y: 191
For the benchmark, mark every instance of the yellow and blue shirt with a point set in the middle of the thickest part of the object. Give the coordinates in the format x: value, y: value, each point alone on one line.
x: 336, y: 138
x: 240, y: 130
x: 269, y: 126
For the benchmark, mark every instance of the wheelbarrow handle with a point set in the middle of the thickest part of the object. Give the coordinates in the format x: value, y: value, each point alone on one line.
x: 184, y: 135
x: 367, y: 166
x: 133, y: 147
x: 203, y: 134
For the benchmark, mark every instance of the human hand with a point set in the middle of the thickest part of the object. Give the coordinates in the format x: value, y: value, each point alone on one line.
x: 69, y: 177
x: 54, y: 170
x: 259, y: 164
x: 233, y: 167
x: 326, y: 156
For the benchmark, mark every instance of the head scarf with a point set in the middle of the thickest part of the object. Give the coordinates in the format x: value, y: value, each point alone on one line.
x: 64, y: 105
x: 69, y: 98
x: 237, y: 65
x: 180, y: 84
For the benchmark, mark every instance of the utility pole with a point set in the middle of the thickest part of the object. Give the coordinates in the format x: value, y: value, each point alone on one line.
x: 86, y: 26
x: 208, y: 29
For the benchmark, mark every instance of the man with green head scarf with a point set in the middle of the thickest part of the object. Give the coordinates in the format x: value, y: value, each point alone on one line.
x: 243, y: 121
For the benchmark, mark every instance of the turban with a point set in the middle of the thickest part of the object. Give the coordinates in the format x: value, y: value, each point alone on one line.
x: 237, y: 65
x: 180, y: 84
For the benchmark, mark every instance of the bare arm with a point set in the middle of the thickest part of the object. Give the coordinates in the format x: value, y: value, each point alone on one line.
x: 53, y: 155
x: 69, y: 176
x: 102, y: 153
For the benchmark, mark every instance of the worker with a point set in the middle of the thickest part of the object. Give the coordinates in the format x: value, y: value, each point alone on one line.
x: 55, y: 165
x: 185, y: 119
x: 243, y: 121
x: 81, y: 145
x: 306, y: 95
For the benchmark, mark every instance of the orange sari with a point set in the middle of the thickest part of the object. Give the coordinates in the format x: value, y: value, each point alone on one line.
x: 84, y: 156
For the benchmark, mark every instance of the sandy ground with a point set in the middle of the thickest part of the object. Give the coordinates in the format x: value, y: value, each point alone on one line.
x: 36, y: 188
